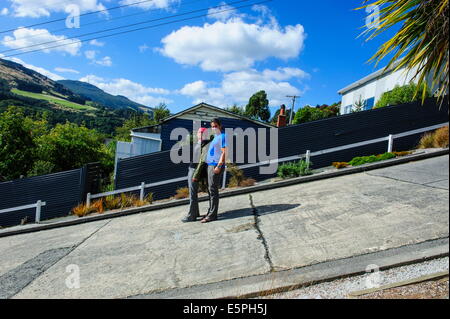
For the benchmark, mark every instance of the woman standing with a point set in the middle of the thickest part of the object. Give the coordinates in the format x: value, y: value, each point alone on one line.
x: 196, y: 170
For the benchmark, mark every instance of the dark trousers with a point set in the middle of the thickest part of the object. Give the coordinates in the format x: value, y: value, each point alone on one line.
x: 193, y: 195
x: 214, y: 184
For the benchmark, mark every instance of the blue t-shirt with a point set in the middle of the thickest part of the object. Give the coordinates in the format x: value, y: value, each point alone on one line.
x: 214, y: 151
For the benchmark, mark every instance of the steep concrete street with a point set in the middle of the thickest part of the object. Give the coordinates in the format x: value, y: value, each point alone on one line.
x: 256, y: 234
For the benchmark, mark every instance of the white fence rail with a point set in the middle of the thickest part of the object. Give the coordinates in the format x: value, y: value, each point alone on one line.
x: 307, y: 156
x: 38, y: 206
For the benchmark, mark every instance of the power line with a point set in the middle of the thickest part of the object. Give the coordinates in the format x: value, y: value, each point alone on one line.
x: 84, y: 14
x: 143, y: 28
x: 91, y: 23
x: 121, y: 27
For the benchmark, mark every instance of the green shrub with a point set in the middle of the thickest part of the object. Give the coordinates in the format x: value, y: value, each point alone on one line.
x: 371, y: 159
x: 289, y: 170
x: 400, y: 95
x: 41, y: 168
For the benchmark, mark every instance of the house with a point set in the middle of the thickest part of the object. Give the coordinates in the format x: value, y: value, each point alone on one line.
x: 369, y: 89
x: 156, y: 138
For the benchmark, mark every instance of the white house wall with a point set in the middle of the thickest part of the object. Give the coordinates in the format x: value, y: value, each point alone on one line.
x: 376, y: 87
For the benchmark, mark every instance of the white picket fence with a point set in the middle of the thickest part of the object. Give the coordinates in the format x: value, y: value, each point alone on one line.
x: 38, y: 206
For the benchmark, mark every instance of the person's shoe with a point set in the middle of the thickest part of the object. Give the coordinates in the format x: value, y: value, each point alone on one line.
x: 208, y: 219
x: 188, y: 220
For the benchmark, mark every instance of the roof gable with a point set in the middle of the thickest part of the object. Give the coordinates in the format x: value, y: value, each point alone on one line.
x: 206, y: 112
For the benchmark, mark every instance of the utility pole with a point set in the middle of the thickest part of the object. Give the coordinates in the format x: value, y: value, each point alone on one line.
x: 293, y: 106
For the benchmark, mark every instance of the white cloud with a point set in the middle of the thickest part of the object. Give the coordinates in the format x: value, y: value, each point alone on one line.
x: 232, y: 45
x: 143, y: 48
x: 155, y: 4
x: 222, y: 13
x: 35, y: 39
x: 43, y: 71
x: 92, y: 55
x: 64, y: 70
x: 238, y: 87
x: 40, y: 8
x: 92, y: 79
x: 132, y: 90
x: 4, y: 12
x: 96, y: 43
x: 105, y: 61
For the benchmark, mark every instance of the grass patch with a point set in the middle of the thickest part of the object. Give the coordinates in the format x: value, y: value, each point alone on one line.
x: 370, y: 159
x: 53, y: 99
x: 437, y: 139
x: 111, y: 203
x: 182, y: 193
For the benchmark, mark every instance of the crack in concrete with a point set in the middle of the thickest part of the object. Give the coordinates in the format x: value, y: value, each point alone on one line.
x: 17, y: 279
x: 261, y: 235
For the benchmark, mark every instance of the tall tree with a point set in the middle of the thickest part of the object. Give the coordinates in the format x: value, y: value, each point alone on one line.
x: 137, y: 120
x: 16, y: 144
x: 236, y: 110
x: 69, y: 146
x: 258, y: 106
x: 422, y: 38
x: 160, y: 113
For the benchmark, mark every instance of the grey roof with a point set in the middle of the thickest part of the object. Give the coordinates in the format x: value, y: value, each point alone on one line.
x: 370, y: 77
x: 218, y: 109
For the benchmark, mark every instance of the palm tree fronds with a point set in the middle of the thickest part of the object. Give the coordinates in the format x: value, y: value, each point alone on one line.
x: 421, y: 42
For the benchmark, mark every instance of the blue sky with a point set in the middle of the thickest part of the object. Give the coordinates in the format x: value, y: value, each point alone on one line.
x: 305, y: 48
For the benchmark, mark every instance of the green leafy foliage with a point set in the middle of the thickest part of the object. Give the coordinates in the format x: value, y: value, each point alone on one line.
x: 41, y: 168
x: 138, y: 120
x: 160, y: 113
x: 371, y: 159
x: 258, y: 107
x: 309, y: 113
x: 70, y: 146
x: 103, y: 119
x: 16, y: 144
x: 30, y: 147
x: 400, y: 95
x: 289, y: 170
x: 420, y: 40
x: 236, y: 110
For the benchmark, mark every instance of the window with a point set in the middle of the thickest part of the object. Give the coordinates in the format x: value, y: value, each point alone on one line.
x: 347, y: 109
x: 369, y: 103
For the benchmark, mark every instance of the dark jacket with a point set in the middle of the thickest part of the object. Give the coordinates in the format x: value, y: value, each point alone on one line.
x: 199, y: 160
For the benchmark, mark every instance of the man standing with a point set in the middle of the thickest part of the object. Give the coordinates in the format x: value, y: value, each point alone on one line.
x: 215, y: 159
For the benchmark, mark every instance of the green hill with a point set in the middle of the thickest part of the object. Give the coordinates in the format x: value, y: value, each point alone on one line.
x: 99, y: 96
x: 59, y: 100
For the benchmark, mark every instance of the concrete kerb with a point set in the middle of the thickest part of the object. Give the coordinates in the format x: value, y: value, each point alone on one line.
x: 229, y: 193
x: 297, y: 278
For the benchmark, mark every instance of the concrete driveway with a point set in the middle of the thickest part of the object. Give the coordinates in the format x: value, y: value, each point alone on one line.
x: 256, y: 233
